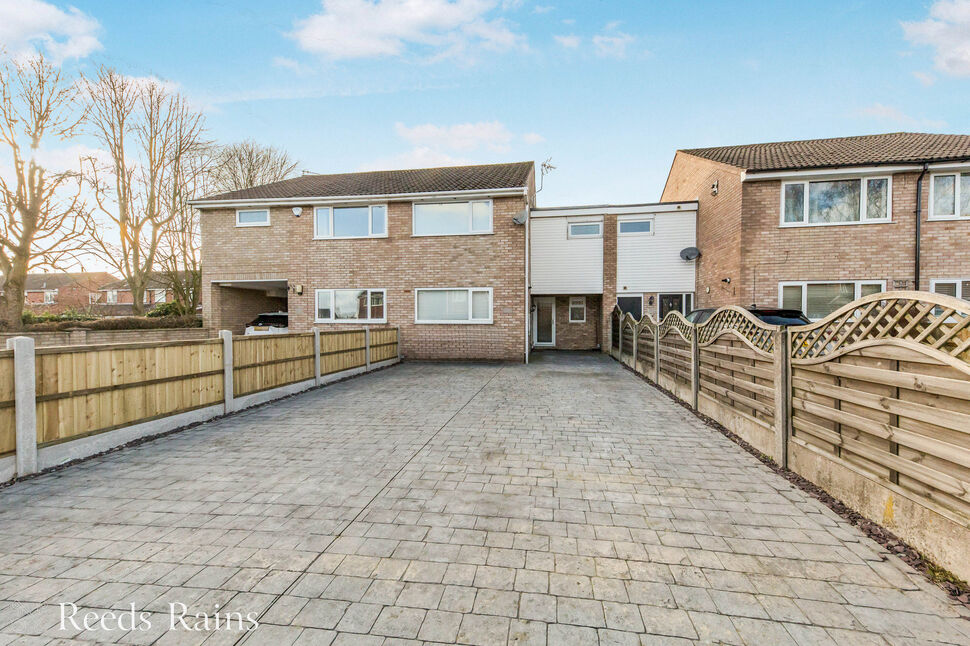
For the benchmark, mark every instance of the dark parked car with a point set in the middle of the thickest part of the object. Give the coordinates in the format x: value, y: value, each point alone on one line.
x: 766, y: 315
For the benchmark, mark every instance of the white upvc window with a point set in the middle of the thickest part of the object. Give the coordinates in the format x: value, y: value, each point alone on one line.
x: 252, y: 217
x: 577, y: 309
x: 950, y: 196
x: 667, y: 302
x: 111, y: 296
x: 827, y: 202
x: 955, y: 287
x: 818, y: 299
x: 635, y: 227
x: 93, y: 298
x: 584, y: 230
x: 451, y: 218
x: 360, y: 221
x: 50, y: 297
x: 351, y: 306
x: 453, y: 305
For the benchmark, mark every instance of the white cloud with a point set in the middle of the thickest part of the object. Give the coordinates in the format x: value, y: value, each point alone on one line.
x: 542, y: 8
x: 346, y: 29
x: 533, y: 138
x: 947, y: 30
x: 492, y: 135
x: 29, y: 25
x: 420, y: 157
x: 569, y: 41
x: 612, y: 44
x: 895, y: 116
x: 286, y: 63
x: 924, y: 78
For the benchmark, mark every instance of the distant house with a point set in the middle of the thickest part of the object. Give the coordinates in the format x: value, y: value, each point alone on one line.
x: 55, y: 293
x: 816, y: 224
x: 115, y: 298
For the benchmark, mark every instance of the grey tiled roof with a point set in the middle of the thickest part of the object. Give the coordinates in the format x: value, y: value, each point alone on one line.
x: 892, y: 148
x: 389, y: 182
x: 57, y: 280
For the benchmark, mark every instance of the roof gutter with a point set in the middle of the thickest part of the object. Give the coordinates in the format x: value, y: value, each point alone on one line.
x: 330, y: 199
x: 849, y: 171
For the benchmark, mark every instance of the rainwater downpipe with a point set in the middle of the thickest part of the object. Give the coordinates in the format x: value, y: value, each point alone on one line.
x: 919, y: 217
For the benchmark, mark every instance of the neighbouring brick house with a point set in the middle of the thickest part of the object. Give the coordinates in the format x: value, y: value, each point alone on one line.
x: 57, y: 292
x: 814, y: 224
x: 115, y: 299
x: 439, y: 252
x: 458, y: 257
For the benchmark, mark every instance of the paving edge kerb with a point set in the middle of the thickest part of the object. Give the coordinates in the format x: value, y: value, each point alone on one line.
x: 157, y: 436
x: 955, y: 588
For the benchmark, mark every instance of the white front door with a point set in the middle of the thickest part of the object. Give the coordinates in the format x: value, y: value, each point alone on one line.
x: 544, y: 321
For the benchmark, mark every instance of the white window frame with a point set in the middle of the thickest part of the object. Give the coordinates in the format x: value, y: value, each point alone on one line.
x: 576, y: 300
x: 469, y: 320
x: 471, y: 219
x: 636, y: 218
x: 956, y: 281
x: 956, y: 198
x: 111, y: 297
x: 93, y: 297
x: 805, y: 283
x: 333, y: 319
x: 252, y: 224
x: 370, y: 221
x: 640, y: 295
x: 598, y: 234
x: 50, y: 296
x: 863, y: 202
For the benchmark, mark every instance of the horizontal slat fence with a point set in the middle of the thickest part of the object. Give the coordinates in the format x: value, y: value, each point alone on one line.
x: 8, y: 432
x: 269, y: 361
x: 83, y: 390
x: 872, y: 402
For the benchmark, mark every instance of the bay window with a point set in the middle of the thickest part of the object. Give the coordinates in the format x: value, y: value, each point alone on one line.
x: 950, y: 196
x: 447, y: 305
x: 367, y: 221
x: 451, y: 218
x: 819, y: 299
x: 351, y: 306
x: 836, y: 201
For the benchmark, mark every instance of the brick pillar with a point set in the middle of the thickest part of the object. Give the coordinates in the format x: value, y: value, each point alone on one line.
x: 609, y: 279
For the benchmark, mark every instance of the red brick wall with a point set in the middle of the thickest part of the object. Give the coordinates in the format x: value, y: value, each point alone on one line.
x: 718, y: 224
x: 578, y: 336
x: 399, y: 263
x: 609, y: 280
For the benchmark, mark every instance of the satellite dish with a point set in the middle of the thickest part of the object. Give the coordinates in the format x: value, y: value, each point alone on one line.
x: 690, y: 253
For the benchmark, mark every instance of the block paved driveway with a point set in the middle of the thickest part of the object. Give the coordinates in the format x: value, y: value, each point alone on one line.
x: 564, y: 502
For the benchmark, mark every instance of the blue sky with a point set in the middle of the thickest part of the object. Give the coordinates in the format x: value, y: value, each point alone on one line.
x: 608, y: 90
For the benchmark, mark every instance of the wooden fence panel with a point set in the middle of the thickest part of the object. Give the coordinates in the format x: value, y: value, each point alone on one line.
x: 342, y: 350
x: 629, y: 326
x: 676, y: 355
x: 8, y: 429
x: 270, y: 361
x: 383, y: 344
x: 615, y: 317
x: 84, y: 390
x: 646, y: 350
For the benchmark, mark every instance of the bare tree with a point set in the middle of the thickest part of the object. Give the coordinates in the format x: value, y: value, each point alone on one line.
x: 44, y: 219
x: 148, y: 133
x: 247, y: 163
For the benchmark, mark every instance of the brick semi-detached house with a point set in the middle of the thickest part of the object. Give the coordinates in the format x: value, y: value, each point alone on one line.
x: 57, y: 292
x: 460, y: 258
x: 815, y: 224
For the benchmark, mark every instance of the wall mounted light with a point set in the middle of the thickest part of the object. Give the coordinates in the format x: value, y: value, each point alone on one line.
x: 726, y: 280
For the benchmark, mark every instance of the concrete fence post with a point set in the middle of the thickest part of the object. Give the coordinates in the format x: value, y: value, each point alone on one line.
x: 619, y: 346
x: 636, y: 339
x: 25, y: 400
x: 782, y: 386
x: 397, y: 340
x: 695, y: 368
x: 367, y: 348
x: 656, y: 354
x: 227, y: 387
x: 316, y: 356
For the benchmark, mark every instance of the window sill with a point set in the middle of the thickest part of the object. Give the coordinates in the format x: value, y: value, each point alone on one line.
x: 250, y: 226
x: 950, y: 218
x: 451, y: 235
x: 799, y: 225
x: 453, y: 322
x: 350, y: 237
x: 583, y: 321
x: 351, y: 321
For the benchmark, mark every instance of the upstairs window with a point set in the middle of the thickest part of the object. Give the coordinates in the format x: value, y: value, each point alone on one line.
x: 252, y: 217
x: 837, y: 201
x: 585, y: 230
x: 50, y: 297
x: 636, y: 227
x: 111, y: 296
x: 451, y: 218
x: 350, y: 221
x: 950, y: 196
